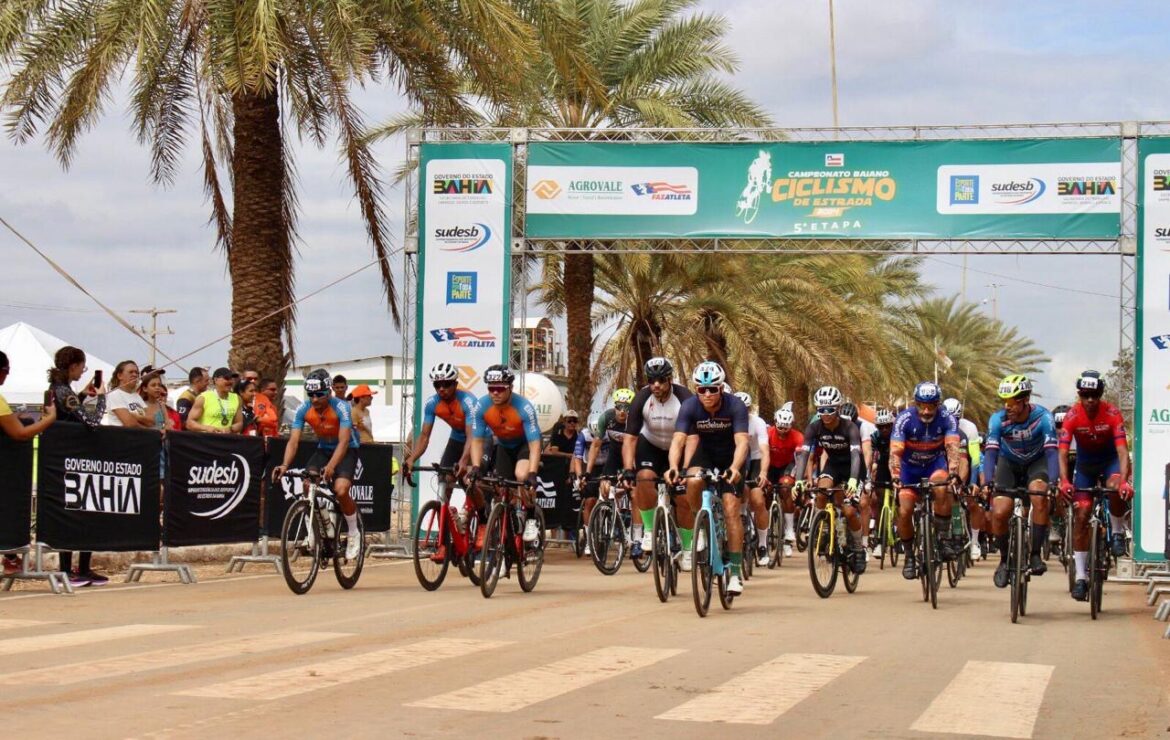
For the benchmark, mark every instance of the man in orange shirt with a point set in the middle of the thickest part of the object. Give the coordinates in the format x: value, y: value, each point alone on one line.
x: 265, y: 409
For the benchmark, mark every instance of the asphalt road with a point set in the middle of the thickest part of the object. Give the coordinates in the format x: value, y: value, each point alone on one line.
x: 583, y: 656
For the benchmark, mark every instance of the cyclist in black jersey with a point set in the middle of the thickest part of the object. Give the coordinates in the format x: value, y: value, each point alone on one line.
x: 607, y: 446
x: 879, y: 468
x: 840, y: 440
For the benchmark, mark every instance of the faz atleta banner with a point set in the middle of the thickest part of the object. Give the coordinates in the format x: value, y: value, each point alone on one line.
x: 98, y: 489
x: 1051, y: 188
x: 212, y: 489
x: 16, y: 463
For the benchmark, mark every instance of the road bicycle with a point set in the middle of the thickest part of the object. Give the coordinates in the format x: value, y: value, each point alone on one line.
x: 503, y: 542
x: 1019, y: 546
x: 827, y: 548
x: 315, y: 532
x: 667, y: 548
x: 444, y: 534
x: 884, y: 533
x: 609, y: 530
x: 803, y: 520
x: 960, y: 535
x: 751, y: 541
x: 710, y: 562
x: 1100, y: 545
x: 930, y: 564
x: 776, y: 525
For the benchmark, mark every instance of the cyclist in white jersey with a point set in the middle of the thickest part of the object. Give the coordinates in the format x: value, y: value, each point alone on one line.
x: 649, y: 431
x: 757, y: 473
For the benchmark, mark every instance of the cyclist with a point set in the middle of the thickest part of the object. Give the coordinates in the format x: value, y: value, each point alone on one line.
x: 587, y: 488
x: 865, y: 429
x: 608, y: 438
x: 337, y: 443
x: 783, y: 443
x: 928, y: 437
x: 879, y: 469
x: 756, y: 477
x: 1102, y: 454
x: 713, y: 428
x: 1021, y: 450
x: 840, y: 440
x: 511, y: 421
x: 646, y: 447
x: 967, y: 428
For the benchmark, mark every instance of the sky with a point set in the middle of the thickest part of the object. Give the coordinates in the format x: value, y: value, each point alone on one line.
x: 135, y: 245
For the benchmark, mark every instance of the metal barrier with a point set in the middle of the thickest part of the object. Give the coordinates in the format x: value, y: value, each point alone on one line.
x: 259, y: 554
x: 159, y: 563
x: 58, y: 580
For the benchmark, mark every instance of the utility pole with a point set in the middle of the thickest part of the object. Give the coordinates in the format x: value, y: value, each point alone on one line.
x: 833, y: 61
x: 154, y: 330
x: 995, y: 299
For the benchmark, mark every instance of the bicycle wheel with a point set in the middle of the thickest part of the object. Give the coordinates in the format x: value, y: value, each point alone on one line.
x: 953, y: 571
x: 701, y: 563
x: 300, y: 548
x: 775, y: 536
x: 822, y: 567
x: 748, y: 552
x: 1015, y: 573
x: 893, y: 542
x: 932, y: 566
x: 849, y: 578
x: 660, y: 555
x: 642, y: 562
x: 609, y: 547
x: 429, y: 538
x: 1095, y: 585
x: 1026, y: 568
x: 724, y: 579
x: 675, y: 550
x: 492, y: 558
x: 471, y: 557
x: 349, y: 571
x: 803, y: 526
x: 532, y: 555
x: 1066, y: 548
x: 883, y: 526
x: 582, y: 533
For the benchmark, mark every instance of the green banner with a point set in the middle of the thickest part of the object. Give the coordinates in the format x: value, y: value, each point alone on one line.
x: 1027, y: 189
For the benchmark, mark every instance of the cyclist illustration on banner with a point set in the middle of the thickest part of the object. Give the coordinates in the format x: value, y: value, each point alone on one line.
x: 758, y: 181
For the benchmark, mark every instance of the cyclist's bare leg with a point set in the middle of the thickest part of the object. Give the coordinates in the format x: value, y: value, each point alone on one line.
x: 341, y: 490
x: 907, y: 497
x: 943, y: 501
x: 866, y: 506
x: 759, y: 506
x: 693, y: 499
x: 734, y: 524
x: 852, y: 518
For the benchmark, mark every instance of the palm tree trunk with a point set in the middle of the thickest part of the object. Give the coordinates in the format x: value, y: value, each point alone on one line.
x: 260, y: 258
x: 800, y: 396
x: 578, y: 277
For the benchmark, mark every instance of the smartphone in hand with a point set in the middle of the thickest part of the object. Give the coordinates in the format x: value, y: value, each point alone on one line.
x: 97, y: 380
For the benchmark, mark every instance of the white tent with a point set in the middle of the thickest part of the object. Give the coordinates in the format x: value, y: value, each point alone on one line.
x: 30, y: 354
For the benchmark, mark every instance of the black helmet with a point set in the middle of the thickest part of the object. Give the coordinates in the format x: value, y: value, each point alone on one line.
x: 658, y: 368
x: 1090, y: 382
x: 1058, y: 414
x: 318, y: 381
x: 848, y: 411
x: 498, y: 374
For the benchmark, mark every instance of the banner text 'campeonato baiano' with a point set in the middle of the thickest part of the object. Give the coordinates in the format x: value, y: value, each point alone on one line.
x: 1051, y: 188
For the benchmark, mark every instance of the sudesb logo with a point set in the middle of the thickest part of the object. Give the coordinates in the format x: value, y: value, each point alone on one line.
x: 547, y: 189
x: 232, y: 479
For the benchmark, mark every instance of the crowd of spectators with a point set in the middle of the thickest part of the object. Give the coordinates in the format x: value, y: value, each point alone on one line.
x: 222, y: 402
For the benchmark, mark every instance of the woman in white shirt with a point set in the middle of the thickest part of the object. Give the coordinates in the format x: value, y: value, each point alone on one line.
x: 124, y: 407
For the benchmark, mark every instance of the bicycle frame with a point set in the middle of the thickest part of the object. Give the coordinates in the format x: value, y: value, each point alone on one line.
x: 461, y: 541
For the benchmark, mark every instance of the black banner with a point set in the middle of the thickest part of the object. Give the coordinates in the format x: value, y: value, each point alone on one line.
x: 98, y: 488
x: 372, y: 486
x: 212, y: 488
x: 16, y: 463
x: 555, y: 495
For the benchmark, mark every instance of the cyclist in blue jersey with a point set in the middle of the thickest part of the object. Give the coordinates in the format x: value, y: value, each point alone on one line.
x: 511, y: 420
x: 927, y: 437
x: 455, y: 407
x: 337, y: 445
x: 1021, y: 451
x: 711, y: 432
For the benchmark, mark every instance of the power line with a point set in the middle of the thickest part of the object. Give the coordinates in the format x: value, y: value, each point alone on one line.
x: 1013, y: 278
x: 46, y: 307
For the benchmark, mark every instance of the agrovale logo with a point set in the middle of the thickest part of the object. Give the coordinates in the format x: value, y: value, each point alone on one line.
x: 219, y: 486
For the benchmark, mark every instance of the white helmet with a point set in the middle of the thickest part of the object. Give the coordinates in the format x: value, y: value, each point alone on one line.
x: 827, y: 395
x: 745, y: 397
x: 954, y: 407
x: 787, y: 406
x: 883, y: 416
x: 443, y: 371
x: 594, y: 428
x: 784, y: 418
x: 708, y: 374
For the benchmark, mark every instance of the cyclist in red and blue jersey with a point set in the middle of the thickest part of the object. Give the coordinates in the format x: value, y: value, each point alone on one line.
x: 1021, y: 451
x: 1102, y: 455
x: 928, y: 438
x: 511, y: 421
x: 337, y: 444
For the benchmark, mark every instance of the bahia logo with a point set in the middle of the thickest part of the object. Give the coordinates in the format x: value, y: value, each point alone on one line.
x: 463, y: 238
x: 231, y: 481
x: 1018, y: 192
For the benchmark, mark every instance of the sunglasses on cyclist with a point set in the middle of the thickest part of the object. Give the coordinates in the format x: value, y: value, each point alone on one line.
x: 826, y: 410
x: 440, y: 384
x: 1088, y: 394
x: 705, y: 390
x: 571, y: 420
x: 621, y: 407
x: 498, y: 388
x: 318, y: 394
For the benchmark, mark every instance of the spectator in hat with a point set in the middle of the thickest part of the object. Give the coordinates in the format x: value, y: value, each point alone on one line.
x: 564, y: 436
x: 217, y: 411
x: 198, y: 380
x: 265, y: 409
x: 340, y: 388
x: 124, y: 407
x: 361, y: 399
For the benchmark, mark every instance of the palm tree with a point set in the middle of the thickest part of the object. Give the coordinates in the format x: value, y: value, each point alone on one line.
x: 244, y: 77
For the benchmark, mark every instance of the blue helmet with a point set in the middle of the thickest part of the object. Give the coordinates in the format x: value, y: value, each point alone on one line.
x: 708, y: 374
x: 927, y: 392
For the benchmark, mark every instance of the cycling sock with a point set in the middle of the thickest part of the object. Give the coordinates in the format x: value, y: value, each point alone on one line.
x: 790, y: 523
x: 1117, y: 523
x: 1082, y: 560
x: 974, y: 534
x: 865, y: 540
x: 1001, y: 543
x: 736, y: 561
x: 636, y: 531
x: 351, y: 522
x: 1039, y: 535
x: 908, y: 547
x: 762, y: 532
x: 685, y: 535
x: 648, y: 519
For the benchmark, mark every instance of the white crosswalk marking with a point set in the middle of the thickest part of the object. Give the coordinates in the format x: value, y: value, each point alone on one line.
x: 12, y: 624
x: 1015, y: 690
x: 314, y: 676
x: 519, y: 690
x: 15, y: 645
x: 169, y: 658
x: 790, y: 679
